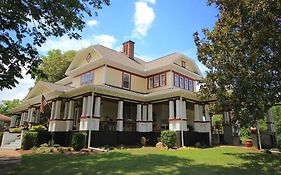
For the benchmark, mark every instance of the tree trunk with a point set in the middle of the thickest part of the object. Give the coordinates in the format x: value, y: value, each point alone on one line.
x: 258, y: 137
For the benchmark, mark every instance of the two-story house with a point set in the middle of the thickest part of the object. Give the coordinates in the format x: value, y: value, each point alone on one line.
x: 121, y: 98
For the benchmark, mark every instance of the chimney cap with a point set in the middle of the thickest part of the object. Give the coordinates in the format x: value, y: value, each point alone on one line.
x: 130, y: 41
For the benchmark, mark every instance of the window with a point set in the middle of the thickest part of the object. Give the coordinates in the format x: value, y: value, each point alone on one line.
x: 181, y: 82
x: 176, y: 81
x: 162, y: 79
x: 183, y: 64
x: 126, y: 80
x: 156, y: 81
x: 185, y: 83
x: 150, y: 83
x: 190, y: 85
x: 87, y: 77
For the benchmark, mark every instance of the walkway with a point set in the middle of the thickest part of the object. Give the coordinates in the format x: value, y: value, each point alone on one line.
x: 8, y: 160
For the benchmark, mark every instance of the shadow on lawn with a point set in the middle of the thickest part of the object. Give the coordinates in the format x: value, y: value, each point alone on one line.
x: 260, y: 162
x: 126, y: 163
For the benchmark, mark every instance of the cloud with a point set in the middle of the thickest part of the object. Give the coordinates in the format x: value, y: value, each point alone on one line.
x: 92, y: 22
x: 143, y: 18
x: 20, y: 91
x: 65, y: 43
x: 105, y: 40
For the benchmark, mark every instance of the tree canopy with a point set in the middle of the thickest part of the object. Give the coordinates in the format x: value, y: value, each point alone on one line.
x: 243, y: 56
x: 54, y: 65
x: 25, y: 25
x: 6, y: 105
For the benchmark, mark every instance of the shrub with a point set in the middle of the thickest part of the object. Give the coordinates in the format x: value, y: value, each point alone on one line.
x: 78, y: 141
x: 29, y: 140
x: 38, y: 128
x: 16, y: 130
x: 169, y: 138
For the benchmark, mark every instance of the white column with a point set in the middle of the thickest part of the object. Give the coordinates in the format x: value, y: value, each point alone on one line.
x: 53, y: 110
x: 37, y: 119
x: 178, y: 109
x: 57, y: 109
x: 88, y: 106
x: 150, y: 113
x: 171, y: 110
x: 139, y: 112
x: 70, y: 110
x: 196, y: 112
x: 21, y: 119
x: 28, y: 114
x: 184, y: 110
x: 84, y: 106
x: 66, y: 109
x: 13, y: 121
x: 31, y: 116
x: 120, y: 116
x: 97, y: 106
x: 25, y: 116
x: 144, y: 112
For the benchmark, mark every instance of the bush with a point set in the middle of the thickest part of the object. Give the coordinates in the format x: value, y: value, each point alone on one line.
x: 29, y: 140
x: 16, y: 130
x: 38, y: 128
x: 78, y: 141
x: 169, y: 138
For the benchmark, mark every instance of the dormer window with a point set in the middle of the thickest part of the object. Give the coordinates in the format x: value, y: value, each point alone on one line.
x: 183, y: 64
x: 126, y: 80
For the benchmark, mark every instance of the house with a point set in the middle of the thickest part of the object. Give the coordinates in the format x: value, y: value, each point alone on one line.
x: 121, y: 98
x: 4, y: 122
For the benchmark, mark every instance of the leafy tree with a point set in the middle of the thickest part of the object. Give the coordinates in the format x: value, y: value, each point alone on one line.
x: 242, y: 54
x: 276, y: 111
x: 6, y: 105
x: 54, y: 65
x: 25, y: 25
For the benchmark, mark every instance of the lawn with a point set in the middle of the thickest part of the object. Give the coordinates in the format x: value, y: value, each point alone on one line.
x: 212, y: 161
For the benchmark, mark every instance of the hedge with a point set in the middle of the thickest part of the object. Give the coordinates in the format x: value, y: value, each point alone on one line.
x: 78, y: 141
x: 29, y: 140
x: 168, y: 138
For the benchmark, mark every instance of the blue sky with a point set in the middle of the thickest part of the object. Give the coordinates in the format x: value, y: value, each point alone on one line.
x: 158, y: 28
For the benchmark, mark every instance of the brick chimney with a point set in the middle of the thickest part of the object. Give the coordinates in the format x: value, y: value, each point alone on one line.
x: 128, y: 48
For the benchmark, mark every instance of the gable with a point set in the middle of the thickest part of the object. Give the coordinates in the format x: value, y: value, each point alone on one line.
x: 188, y: 64
x: 83, y: 57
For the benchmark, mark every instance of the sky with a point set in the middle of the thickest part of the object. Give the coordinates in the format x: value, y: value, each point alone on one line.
x: 158, y: 28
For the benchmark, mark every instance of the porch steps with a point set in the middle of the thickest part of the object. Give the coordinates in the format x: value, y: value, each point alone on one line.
x: 16, y: 144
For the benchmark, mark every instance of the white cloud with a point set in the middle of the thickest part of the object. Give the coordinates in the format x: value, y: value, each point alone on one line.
x: 92, y: 22
x: 105, y: 40
x: 20, y: 91
x: 65, y: 43
x: 143, y: 18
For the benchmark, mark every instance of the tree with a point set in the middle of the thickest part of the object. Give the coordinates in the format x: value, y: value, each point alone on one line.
x: 25, y: 25
x: 6, y: 105
x: 243, y: 57
x: 54, y: 65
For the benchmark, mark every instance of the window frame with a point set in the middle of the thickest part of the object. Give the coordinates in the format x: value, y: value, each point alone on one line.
x: 129, y: 80
x: 155, y: 83
x: 150, y: 86
x: 162, y: 81
x: 183, y: 64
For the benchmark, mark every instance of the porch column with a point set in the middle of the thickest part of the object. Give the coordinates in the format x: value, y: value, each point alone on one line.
x: 84, y: 107
x: 196, y: 112
x: 149, y: 118
x: 178, y: 109
x: 31, y: 116
x: 89, y: 111
x: 144, y: 112
x: 69, y: 124
x: 57, y: 109
x: 120, y: 116
x: 138, y: 113
x: 28, y: 114
x: 37, y: 118
x: 207, y: 112
x: 171, y: 110
x: 25, y: 117
x: 97, y: 107
x: 184, y: 117
x: 66, y: 109
x: 21, y: 119
x: 53, y: 110
x: 13, y: 121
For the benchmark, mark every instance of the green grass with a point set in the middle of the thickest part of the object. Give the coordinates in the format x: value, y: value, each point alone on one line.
x: 211, y: 161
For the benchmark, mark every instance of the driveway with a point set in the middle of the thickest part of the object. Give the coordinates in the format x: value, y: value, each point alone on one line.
x: 9, y: 159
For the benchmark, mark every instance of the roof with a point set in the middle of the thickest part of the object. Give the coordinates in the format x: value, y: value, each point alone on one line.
x: 5, y: 118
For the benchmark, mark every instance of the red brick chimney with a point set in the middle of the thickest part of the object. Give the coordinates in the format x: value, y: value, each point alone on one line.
x: 128, y: 48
